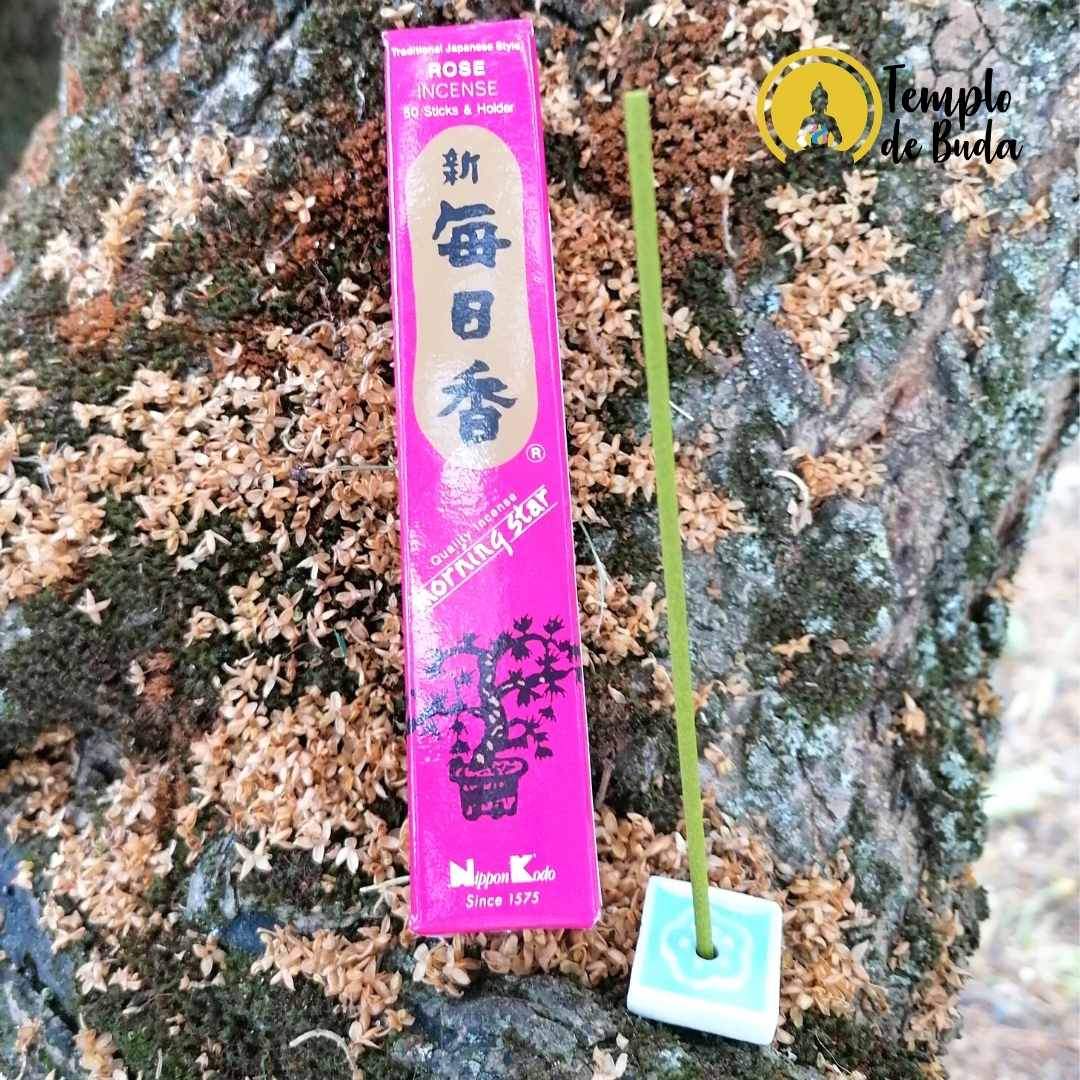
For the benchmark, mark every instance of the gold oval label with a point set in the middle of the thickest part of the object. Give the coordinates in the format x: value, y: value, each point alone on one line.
x: 474, y: 381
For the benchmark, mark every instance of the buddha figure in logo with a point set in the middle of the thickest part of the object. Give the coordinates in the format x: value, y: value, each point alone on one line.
x: 819, y: 128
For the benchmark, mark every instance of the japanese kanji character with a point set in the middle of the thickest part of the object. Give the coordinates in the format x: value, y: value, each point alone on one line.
x: 471, y: 242
x: 449, y: 167
x: 479, y: 420
x: 469, y: 163
x: 470, y: 313
x: 470, y: 166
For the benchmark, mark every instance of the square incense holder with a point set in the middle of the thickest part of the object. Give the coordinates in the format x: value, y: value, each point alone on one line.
x: 737, y: 993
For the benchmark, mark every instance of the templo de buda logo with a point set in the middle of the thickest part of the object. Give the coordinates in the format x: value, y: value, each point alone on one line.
x: 818, y: 99
x: 822, y: 100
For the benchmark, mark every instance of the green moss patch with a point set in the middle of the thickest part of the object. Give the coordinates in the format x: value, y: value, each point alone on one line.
x: 251, y: 1021
x: 856, y: 1045
x: 68, y: 670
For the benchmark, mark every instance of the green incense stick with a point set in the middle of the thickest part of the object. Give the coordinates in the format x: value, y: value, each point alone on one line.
x: 639, y: 149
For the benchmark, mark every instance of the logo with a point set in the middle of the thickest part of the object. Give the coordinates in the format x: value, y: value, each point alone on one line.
x: 462, y: 875
x: 817, y: 100
x: 820, y: 100
x: 469, y: 877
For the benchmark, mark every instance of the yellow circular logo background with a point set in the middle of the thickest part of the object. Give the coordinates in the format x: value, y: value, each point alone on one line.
x: 786, y: 111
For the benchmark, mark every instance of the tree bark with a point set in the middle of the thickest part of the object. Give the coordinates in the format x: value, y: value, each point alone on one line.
x: 863, y: 742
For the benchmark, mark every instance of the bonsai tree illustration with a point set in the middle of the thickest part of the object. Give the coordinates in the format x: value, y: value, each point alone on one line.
x: 499, y: 700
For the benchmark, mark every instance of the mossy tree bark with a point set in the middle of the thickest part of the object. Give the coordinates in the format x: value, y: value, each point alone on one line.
x: 901, y: 589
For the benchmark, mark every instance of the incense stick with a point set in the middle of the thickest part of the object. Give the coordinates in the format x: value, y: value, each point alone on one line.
x: 639, y: 148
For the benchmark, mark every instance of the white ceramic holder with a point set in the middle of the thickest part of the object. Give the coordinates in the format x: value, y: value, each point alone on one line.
x: 737, y: 993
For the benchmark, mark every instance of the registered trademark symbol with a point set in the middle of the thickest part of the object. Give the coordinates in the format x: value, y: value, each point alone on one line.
x: 536, y: 452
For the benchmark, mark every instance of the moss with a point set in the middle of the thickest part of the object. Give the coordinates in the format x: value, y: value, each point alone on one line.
x: 816, y: 171
x: 296, y: 884
x: 96, y: 157
x: 974, y: 909
x: 837, y: 584
x: 154, y: 31
x: 562, y: 156
x: 702, y: 290
x: 660, y: 1052
x: 345, y: 28
x: 682, y: 363
x: 100, y: 40
x: 751, y: 216
x: 753, y: 219
x: 944, y: 776
x: 1011, y: 313
x: 854, y: 1045
x: 235, y: 295
x: 634, y: 742
x: 222, y: 244
x: 252, y: 1021
x: 1050, y: 20
x: 868, y: 34
x: 637, y: 550
x: 748, y: 473
x: 98, y: 374
x: 992, y: 618
x: 983, y: 551
x: 25, y: 235
x: 918, y: 931
x: 923, y: 229
x: 959, y: 650
x: 149, y: 613
x: 876, y: 877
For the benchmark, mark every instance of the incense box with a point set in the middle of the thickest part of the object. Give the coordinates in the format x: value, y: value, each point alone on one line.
x: 500, y: 801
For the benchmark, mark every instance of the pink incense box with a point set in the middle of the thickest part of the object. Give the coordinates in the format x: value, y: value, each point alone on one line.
x: 500, y: 799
